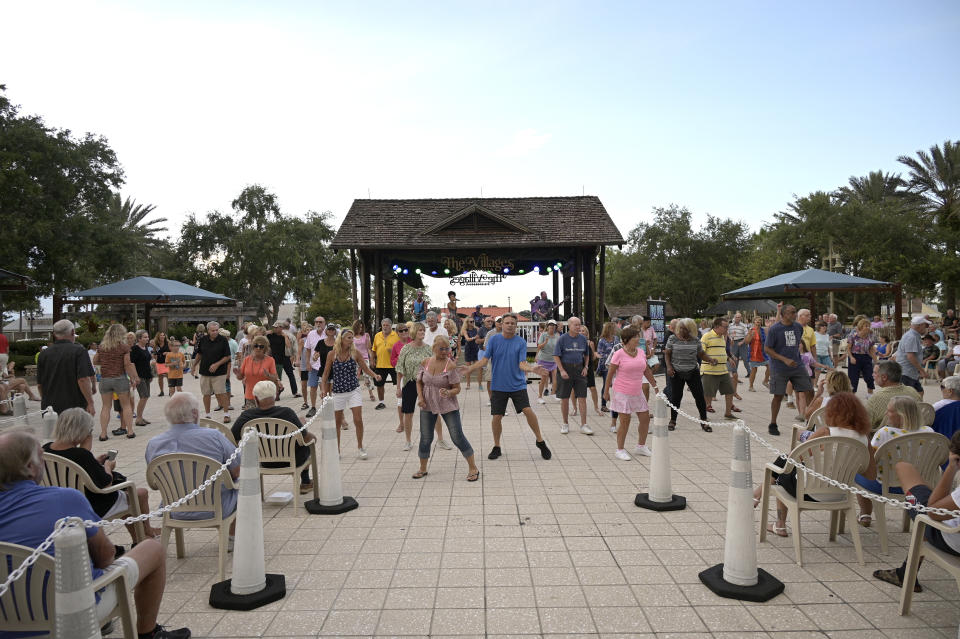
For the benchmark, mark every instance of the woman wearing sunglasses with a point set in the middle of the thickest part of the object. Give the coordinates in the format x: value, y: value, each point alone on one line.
x: 257, y: 367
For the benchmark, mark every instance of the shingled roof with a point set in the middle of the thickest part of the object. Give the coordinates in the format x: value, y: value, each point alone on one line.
x: 477, y: 223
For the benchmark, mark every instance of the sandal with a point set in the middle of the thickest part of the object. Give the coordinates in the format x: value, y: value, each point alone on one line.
x: 474, y: 476
x: 710, y: 409
x: 865, y: 520
x: 103, y: 439
x: 131, y: 435
x: 730, y: 417
x: 777, y: 530
x: 400, y: 428
x: 736, y: 409
x: 706, y: 428
x: 420, y: 474
x: 672, y: 426
x: 890, y: 576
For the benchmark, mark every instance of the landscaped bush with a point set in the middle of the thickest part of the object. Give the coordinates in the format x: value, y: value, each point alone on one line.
x: 27, y: 347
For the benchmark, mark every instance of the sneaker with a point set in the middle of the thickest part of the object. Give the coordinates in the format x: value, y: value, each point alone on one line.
x: 773, y: 429
x: 622, y: 454
x: 443, y: 444
x: 564, y: 429
x: 790, y: 404
x: 312, y: 411
x: 407, y: 446
x: 488, y: 402
x: 586, y: 430
x: 541, y: 400
x: 613, y: 429
x: 557, y: 398
x: 380, y: 406
x: 345, y: 425
x: 641, y: 449
x: 162, y: 633
x: 306, y: 487
x: 297, y: 395
x: 495, y: 453
x: 362, y: 453
x: 544, y: 451
x: 218, y: 408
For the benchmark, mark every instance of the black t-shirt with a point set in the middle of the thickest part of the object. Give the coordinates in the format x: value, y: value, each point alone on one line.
x: 274, y: 412
x: 278, y: 346
x: 101, y: 504
x: 140, y: 358
x: 324, y: 350
x: 59, y: 367
x: 162, y: 353
x: 210, y: 351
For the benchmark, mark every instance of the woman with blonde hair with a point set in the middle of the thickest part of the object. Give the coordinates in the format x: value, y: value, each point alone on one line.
x: 411, y: 355
x: 362, y: 342
x: 829, y: 385
x: 470, y: 340
x: 605, y: 345
x: 683, y: 354
x: 341, y: 370
x: 902, y: 418
x: 861, y: 353
x: 257, y: 367
x: 452, y: 334
x: 117, y: 372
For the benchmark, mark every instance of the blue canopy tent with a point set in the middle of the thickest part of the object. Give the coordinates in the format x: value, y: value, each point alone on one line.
x: 811, y: 281
x: 149, y: 291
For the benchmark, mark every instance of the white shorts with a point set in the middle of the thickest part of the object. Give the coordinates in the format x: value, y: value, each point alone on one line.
x: 119, y: 506
x: 351, y: 399
x: 108, y: 596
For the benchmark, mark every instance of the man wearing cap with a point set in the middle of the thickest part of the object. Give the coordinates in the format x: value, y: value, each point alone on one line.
x: 419, y: 307
x: 309, y: 345
x: 478, y: 316
x: 908, y: 353
x: 280, y: 345
x: 382, y: 345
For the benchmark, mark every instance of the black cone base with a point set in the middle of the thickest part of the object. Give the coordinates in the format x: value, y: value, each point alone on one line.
x: 766, y: 589
x: 676, y: 503
x: 221, y: 597
x: 314, y: 508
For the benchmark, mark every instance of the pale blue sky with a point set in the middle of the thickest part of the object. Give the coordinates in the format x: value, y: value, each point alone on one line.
x: 727, y: 108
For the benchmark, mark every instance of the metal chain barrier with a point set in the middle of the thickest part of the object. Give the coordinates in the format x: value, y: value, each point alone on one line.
x: 32, y: 558
x: 904, y: 505
x: 13, y: 419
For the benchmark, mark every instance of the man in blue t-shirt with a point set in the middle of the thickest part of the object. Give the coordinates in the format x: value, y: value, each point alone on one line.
x: 572, y: 354
x: 783, y: 348
x: 507, y: 354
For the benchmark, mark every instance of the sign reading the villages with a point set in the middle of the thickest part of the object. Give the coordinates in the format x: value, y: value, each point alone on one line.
x: 482, y: 262
x: 476, y: 279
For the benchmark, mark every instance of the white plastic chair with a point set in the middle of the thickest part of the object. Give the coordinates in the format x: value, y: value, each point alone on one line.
x: 927, y: 413
x: 921, y: 549
x: 176, y: 475
x: 206, y: 422
x: 31, y: 602
x: 62, y: 472
x: 925, y: 451
x: 282, y: 451
x: 839, y: 458
x: 818, y: 419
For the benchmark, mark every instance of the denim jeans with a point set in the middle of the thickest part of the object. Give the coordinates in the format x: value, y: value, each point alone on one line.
x: 455, y: 428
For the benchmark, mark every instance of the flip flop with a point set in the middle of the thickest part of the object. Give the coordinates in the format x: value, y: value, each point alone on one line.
x: 706, y: 428
x: 420, y: 474
x: 473, y: 476
x: 865, y: 520
x: 890, y: 576
x: 776, y: 530
x: 711, y: 410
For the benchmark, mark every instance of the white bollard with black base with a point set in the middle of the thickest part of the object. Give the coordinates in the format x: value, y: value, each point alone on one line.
x: 660, y: 497
x: 76, y: 605
x: 332, y: 500
x: 250, y: 586
x: 738, y: 576
x: 19, y: 405
x: 49, y: 417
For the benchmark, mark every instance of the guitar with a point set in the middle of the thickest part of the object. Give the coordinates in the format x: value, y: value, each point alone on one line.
x: 548, y: 310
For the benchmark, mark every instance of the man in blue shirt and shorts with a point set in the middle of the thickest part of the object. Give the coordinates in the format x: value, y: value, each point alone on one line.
x: 572, y: 354
x: 507, y: 354
x: 783, y: 347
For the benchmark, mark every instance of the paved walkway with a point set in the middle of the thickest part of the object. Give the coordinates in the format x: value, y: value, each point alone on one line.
x: 549, y: 548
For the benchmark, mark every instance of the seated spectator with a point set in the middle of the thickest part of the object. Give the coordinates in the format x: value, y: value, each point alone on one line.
x: 948, y: 363
x: 10, y: 384
x: 186, y: 436
x: 943, y: 496
x: 73, y: 440
x: 903, y: 417
x: 950, y: 389
x: 883, y: 348
x: 931, y: 353
x: 830, y: 384
x: 887, y: 376
x: 850, y: 419
x: 264, y: 396
x: 29, y: 512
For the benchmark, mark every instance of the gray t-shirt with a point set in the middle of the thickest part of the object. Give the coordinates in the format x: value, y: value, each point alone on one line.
x: 835, y: 330
x: 683, y: 353
x: 549, y: 344
x: 909, y: 343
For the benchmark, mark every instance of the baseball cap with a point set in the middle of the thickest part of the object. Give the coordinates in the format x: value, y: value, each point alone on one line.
x: 277, y: 323
x: 498, y: 318
x: 554, y: 322
x: 919, y: 319
x: 333, y: 327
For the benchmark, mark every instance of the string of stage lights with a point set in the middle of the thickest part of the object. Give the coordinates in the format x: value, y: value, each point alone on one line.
x: 506, y: 270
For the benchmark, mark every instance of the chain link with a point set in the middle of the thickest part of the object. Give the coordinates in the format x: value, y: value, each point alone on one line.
x: 24, y: 416
x: 896, y: 503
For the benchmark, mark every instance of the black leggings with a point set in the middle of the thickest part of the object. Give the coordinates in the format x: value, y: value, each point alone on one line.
x: 284, y: 364
x: 675, y: 391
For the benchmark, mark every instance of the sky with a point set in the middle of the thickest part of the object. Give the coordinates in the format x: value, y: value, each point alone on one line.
x: 729, y: 109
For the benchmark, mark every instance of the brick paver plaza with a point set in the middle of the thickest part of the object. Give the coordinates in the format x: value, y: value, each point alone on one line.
x: 537, y: 548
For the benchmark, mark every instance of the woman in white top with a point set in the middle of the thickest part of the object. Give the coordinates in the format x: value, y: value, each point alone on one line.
x: 950, y: 389
x: 851, y: 420
x: 830, y: 384
x: 903, y: 417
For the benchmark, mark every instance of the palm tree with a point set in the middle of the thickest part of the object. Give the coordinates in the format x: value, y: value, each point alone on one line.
x: 130, y: 217
x: 873, y: 188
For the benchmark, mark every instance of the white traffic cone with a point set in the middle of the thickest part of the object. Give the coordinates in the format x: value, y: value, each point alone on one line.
x: 76, y: 605
x: 332, y: 500
x: 49, y: 417
x: 249, y: 587
x: 738, y: 576
x: 19, y: 405
x: 660, y: 497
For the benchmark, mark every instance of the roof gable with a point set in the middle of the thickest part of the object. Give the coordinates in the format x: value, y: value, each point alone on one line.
x: 475, y: 220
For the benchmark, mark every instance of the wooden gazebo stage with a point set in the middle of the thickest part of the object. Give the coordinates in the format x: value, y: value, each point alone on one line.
x: 397, y: 242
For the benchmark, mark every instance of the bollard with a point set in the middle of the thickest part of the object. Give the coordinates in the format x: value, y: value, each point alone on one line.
x: 19, y: 405
x: 332, y: 500
x: 660, y: 497
x: 76, y: 606
x: 738, y: 576
x: 49, y: 417
x: 249, y: 587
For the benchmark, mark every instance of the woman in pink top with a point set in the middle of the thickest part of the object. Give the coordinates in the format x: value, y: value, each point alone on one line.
x: 438, y: 384
x: 626, y: 372
x: 361, y: 342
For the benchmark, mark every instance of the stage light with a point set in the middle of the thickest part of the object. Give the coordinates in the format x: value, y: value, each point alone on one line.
x: 559, y: 265
x: 549, y: 269
x: 433, y: 272
x: 446, y: 271
x: 417, y: 271
x: 405, y: 271
x: 536, y: 269
x: 506, y: 270
x: 396, y: 268
x: 520, y: 271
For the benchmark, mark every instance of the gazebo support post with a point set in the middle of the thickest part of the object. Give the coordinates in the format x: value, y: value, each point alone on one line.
x: 556, y: 295
x: 898, y: 310
x: 602, y: 303
x: 353, y: 283
x: 377, y: 286
x: 388, y: 296
x: 365, y: 290
x: 567, y: 295
x: 578, y: 284
x: 590, y: 292
x: 146, y: 317
x: 399, y: 300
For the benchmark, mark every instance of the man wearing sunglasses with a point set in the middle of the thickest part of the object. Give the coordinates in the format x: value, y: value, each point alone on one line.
x: 309, y: 344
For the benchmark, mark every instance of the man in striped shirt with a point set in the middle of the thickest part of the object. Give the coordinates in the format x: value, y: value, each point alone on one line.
x: 737, y: 331
x: 715, y: 376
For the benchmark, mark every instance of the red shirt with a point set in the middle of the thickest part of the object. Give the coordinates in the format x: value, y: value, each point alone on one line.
x: 4, y: 344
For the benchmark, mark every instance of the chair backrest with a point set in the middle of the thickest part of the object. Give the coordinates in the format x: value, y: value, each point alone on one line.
x: 818, y: 419
x: 275, y: 450
x: 892, y: 347
x: 29, y: 603
x: 62, y: 472
x: 925, y: 451
x: 178, y: 474
x: 927, y: 413
x: 837, y: 457
x: 223, y: 428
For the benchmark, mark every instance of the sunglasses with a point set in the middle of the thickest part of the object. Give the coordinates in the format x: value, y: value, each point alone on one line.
x: 259, y: 346
x: 403, y: 330
x: 443, y: 348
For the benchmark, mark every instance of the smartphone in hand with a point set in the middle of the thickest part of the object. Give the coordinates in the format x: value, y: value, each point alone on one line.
x: 112, y: 454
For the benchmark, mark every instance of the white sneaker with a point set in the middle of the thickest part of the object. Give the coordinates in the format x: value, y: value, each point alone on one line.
x: 622, y: 454
x: 586, y: 430
x: 613, y: 429
x: 642, y: 449
x: 564, y: 429
x: 557, y: 398
x: 443, y: 444
x: 541, y: 400
x: 488, y: 402
x: 407, y: 446
x: 361, y: 453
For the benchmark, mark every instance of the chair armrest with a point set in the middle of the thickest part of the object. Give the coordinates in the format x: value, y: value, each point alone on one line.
x: 939, y: 525
x: 110, y: 576
x: 112, y: 488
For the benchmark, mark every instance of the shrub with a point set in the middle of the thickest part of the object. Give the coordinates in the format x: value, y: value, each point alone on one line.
x: 27, y: 347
